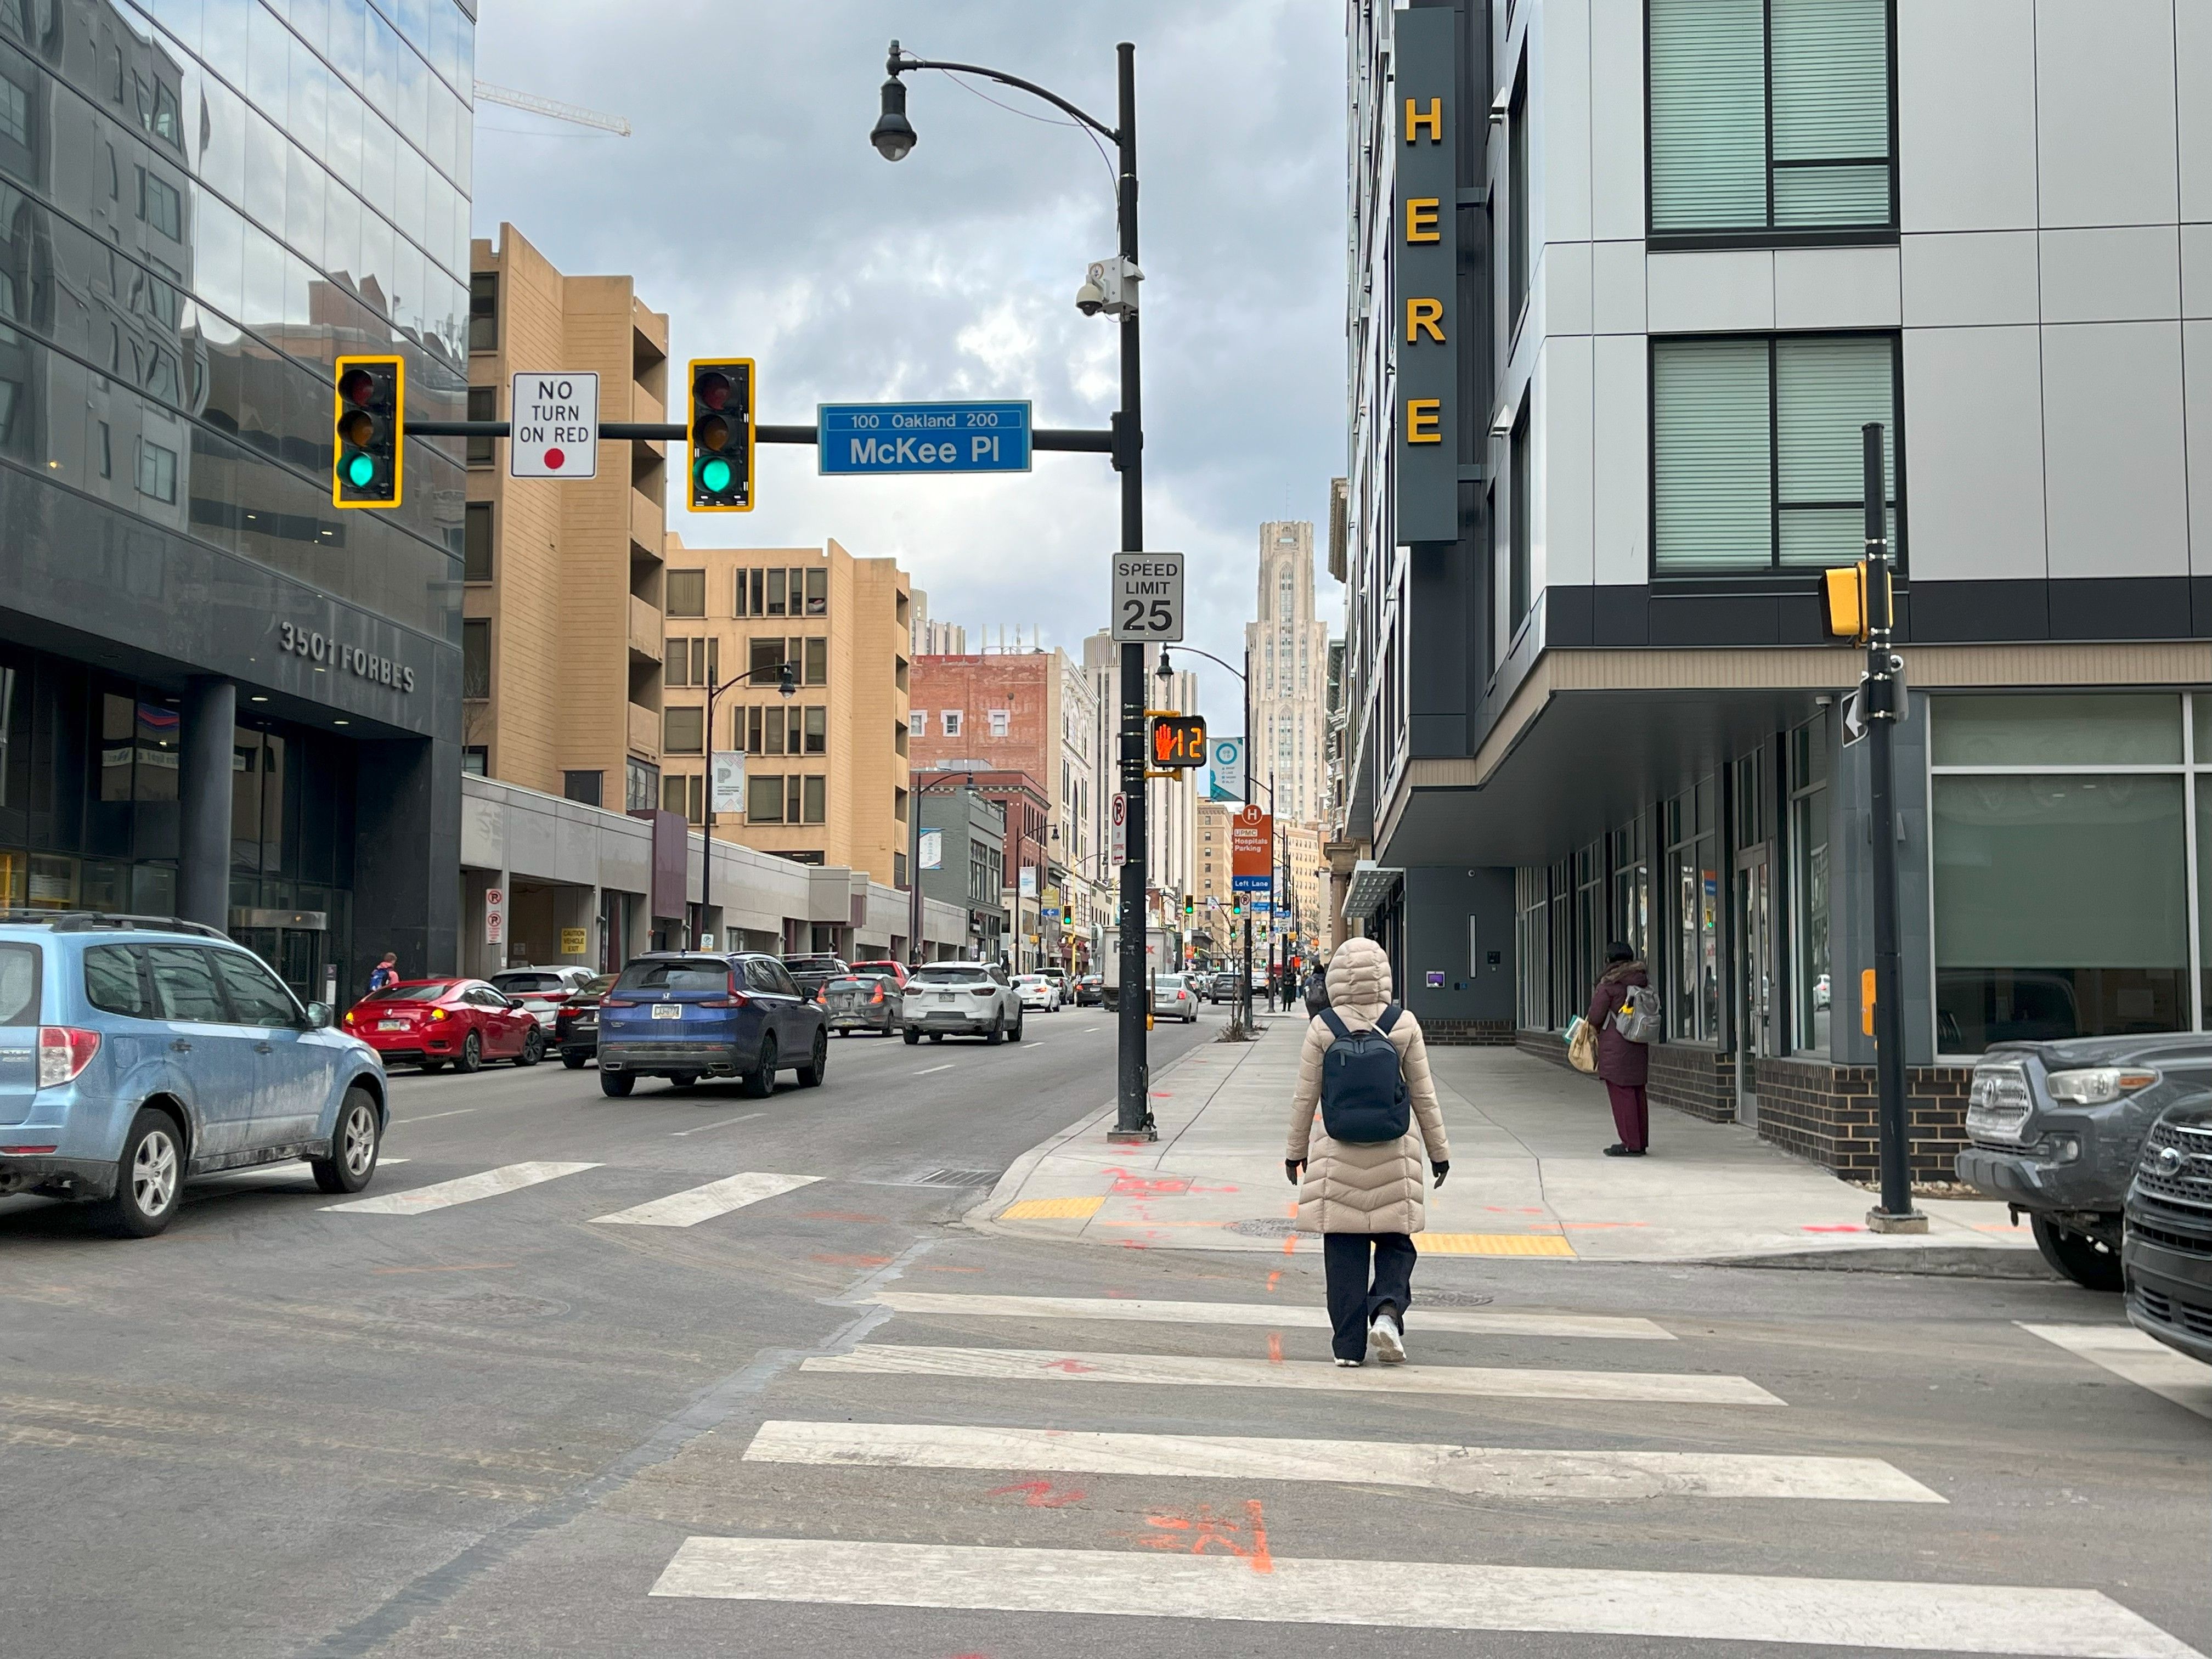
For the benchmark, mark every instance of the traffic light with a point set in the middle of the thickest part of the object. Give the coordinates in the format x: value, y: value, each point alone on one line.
x: 1190, y: 906
x: 371, y: 397
x: 1846, y: 598
x: 1178, y: 741
x: 722, y: 435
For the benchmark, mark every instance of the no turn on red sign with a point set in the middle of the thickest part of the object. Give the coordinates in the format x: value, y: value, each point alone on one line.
x: 553, y: 426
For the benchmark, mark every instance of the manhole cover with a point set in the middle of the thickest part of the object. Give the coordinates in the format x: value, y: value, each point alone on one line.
x: 1275, y: 1229
x: 954, y: 1178
x: 1428, y: 1298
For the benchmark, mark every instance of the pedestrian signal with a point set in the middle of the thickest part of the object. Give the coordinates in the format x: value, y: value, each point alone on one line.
x: 1848, y: 602
x: 722, y: 435
x: 1178, y: 740
x: 371, y: 397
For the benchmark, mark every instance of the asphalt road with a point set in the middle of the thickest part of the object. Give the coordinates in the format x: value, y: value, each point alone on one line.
x: 621, y: 1402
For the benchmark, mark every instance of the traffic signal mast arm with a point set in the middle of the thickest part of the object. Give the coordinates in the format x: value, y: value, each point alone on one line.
x: 1078, y: 438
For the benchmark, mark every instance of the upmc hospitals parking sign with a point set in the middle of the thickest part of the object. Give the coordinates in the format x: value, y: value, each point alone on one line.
x: 1251, y: 850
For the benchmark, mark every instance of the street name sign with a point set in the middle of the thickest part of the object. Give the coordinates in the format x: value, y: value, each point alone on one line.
x: 553, y: 426
x: 856, y: 437
x: 1148, y: 598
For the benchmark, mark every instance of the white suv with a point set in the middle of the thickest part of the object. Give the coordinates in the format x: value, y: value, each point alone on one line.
x: 960, y: 999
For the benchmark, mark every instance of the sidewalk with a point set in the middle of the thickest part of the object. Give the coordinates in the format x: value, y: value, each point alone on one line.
x: 1529, y: 1177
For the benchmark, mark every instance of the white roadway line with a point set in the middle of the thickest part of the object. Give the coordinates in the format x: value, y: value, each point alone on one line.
x: 927, y: 1070
x: 688, y: 1209
x: 1511, y: 1472
x: 1045, y: 1365
x: 292, y: 1166
x: 2141, y: 1359
x: 1292, y: 1315
x: 700, y: 1129
x: 491, y: 1182
x: 427, y: 1117
x: 2073, y: 1624
x: 1088, y: 1029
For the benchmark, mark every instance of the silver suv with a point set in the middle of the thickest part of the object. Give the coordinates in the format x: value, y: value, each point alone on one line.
x: 961, y: 999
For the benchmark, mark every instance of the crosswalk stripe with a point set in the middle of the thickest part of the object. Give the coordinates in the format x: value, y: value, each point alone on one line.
x: 1498, y: 1322
x: 1047, y: 1366
x: 2069, y: 1624
x: 1513, y: 1473
x: 698, y: 1204
x: 2144, y: 1360
x: 489, y: 1183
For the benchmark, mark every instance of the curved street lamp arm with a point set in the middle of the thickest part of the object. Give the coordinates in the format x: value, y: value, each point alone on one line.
x: 1208, y: 655
x: 899, y: 62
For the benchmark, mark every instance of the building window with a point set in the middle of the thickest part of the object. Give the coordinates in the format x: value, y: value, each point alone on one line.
x: 1812, y: 994
x: 641, y: 786
x: 1520, y: 228
x: 157, y: 472
x: 1630, y: 921
x: 818, y: 663
x: 898, y: 872
x: 686, y: 795
x: 691, y: 662
x: 476, y: 761
x: 764, y: 797
x: 106, y: 451
x: 1521, y: 509
x: 483, y: 405
x: 814, y: 797
x: 483, y: 312
x: 161, y: 205
x: 1691, y: 824
x: 683, y: 730
x: 997, y: 719
x: 917, y: 722
x: 476, y: 542
x: 476, y: 657
x: 949, y: 719
x: 583, y: 787
x: 818, y: 730
x: 1770, y: 116
x: 1756, y: 452
x: 1530, y: 950
x: 687, y: 593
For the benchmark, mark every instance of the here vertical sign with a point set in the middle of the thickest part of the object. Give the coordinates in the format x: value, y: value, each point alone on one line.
x: 1423, y: 315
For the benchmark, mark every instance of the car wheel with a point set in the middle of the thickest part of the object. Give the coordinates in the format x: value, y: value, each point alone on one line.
x: 355, y: 1141
x: 811, y: 1073
x: 573, y: 1062
x: 760, y: 1083
x: 1015, y: 1035
x: 472, y: 1056
x: 997, y: 1034
x: 149, y: 1176
x: 912, y: 1036
x: 2093, y: 1266
x: 617, y: 1084
x: 533, y: 1047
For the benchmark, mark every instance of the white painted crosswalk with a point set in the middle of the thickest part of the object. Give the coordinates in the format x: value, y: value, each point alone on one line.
x: 1421, y: 1595
x: 1486, y: 1471
x: 686, y: 1208
x: 465, y: 1189
x: 689, y: 1208
x: 2144, y: 1360
x: 1281, y: 1316
x: 1049, y: 1365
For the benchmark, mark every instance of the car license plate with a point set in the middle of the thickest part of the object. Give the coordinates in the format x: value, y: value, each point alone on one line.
x: 945, y: 996
x: 391, y: 1026
x: 668, y: 1010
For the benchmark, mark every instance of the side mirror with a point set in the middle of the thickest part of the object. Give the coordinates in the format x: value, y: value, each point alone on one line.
x: 319, y: 1015
x: 514, y: 1002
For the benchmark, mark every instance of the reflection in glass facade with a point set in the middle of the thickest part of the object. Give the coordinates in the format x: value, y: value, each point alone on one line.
x: 202, y: 204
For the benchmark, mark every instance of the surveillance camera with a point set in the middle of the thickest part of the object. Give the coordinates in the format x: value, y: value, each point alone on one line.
x: 1091, y: 299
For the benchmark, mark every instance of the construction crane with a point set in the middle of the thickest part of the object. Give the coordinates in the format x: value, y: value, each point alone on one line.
x: 576, y: 114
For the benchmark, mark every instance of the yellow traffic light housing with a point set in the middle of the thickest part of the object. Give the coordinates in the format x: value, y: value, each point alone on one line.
x: 1178, y: 741
x: 370, y: 395
x: 720, y: 436
x: 1848, y: 602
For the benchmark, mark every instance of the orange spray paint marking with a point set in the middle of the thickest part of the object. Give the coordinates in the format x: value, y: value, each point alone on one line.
x: 1290, y: 1245
x: 1274, y: 1347
x: 1273, y: 1277
x: 1194, y: 1533
x: 1072, y: 1367
x: 1040, y: 1495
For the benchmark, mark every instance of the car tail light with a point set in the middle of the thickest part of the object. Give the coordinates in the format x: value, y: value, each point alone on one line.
x: 822, y: 994
x: 349, y: 1018
x: 877, y: 995
x: 732, y: 997
x: 617, y: 1002
x: 63, y: 1052
x: 439, y: 1013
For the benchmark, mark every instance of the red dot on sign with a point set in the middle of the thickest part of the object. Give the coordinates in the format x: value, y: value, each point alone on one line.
x: 553, y: 459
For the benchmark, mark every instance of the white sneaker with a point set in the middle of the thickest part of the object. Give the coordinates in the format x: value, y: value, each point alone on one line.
x: 1389, y: 1341
x: 1349, y: 1365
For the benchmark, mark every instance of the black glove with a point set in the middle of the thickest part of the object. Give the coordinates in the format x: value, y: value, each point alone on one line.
x: 1440, y: 1169
x: 1290, y: 1168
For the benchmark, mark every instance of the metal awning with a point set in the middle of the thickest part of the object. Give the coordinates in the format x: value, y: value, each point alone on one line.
x: 1370, y: 887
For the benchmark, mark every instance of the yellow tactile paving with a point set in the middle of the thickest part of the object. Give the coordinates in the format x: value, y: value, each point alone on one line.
x: 1493, y: 1244
x: 1054, y: 1209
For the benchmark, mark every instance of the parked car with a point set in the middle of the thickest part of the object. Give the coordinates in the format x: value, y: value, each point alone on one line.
x: 437, y: 1022
x: 895, y: 972
x: 2168, y: 1254
x: 861, y: 1002
x: 2056, y: 1129
x: 1173, y: 999
x: 1223, y: 987
x: 687, y: 1014
x: 1091, y: 991
x: 137, y: 1052
x: 956, y: 999
x: 542, y: 990
x: 812, y: 973
x: 1037, y: 992
x: 576, y: 1022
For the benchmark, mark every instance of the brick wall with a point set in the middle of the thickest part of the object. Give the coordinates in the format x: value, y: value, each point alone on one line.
x: 1699, y: 1083
x: 1470, y: 1033
x: 1544, y: 1045
x: 1826, y: 1113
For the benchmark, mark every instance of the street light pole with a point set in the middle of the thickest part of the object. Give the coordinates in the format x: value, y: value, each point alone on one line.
x: 787, y: 684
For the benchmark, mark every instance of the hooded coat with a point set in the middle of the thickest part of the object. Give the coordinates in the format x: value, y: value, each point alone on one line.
x: 1619, y: 1060
x: 1360, y: 1188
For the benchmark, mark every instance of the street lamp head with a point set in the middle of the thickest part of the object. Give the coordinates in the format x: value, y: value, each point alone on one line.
x: 894, y: 135
x: 787, y: 680
x: 1165, y: 671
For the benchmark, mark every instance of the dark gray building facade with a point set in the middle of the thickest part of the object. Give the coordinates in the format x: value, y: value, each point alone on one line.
x: 970, y: 870
x: 221, y: 697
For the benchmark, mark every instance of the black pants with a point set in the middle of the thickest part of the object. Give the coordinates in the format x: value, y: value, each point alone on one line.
x: 1352, y: 1302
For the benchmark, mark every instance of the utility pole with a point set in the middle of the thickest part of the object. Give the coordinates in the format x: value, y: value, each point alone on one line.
x: 1881, y: 695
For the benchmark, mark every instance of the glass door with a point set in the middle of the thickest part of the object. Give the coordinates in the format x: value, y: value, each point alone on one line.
x: 1754, y: 975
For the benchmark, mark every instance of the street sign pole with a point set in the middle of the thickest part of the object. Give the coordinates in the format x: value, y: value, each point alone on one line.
x: 1881, y: 705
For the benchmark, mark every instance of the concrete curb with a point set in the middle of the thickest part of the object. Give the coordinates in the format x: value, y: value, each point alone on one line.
x: 1933, y: 1261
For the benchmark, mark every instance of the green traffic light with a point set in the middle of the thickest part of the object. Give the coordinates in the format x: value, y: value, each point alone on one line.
x: 361, y: 471
x: 714, y: 475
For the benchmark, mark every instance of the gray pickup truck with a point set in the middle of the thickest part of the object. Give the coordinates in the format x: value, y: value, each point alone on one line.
x: 2169, y: 1250
x: 2056, y: 1129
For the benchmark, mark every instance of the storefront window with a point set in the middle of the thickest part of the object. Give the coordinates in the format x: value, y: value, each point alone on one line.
x: 1632, y: 890
x: 1530, y: 950
x: 1813, y: 995
x: 1693, y: 1002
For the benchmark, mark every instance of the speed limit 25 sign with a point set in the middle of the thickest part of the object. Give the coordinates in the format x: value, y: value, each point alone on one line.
x: 1148, y: 598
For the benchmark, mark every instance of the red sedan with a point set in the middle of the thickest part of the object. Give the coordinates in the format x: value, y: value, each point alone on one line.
x: 433, y: 1023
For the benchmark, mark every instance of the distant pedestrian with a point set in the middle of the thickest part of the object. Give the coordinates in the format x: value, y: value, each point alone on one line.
x: 1289, y: 987
x: 1358, y: 1173
x: 1623, y: 1066
x: 1318, y: 988
x: 385, y: 974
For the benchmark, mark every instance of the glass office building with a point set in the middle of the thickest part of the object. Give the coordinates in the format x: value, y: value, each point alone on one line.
x: 220, y: 697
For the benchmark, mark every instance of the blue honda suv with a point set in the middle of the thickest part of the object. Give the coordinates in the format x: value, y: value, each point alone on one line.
x: 687, y: 1014
x: 136, y: 1051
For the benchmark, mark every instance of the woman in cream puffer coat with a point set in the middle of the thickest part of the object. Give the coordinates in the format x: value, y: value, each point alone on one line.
x: 1360, y: 1196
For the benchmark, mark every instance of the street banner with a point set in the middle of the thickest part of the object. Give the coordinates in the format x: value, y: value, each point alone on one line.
x: 727, y: 782
x: 932, y: 849
x: 1227, y: 780
x: 1029, y: 881
x: 1251, y: 850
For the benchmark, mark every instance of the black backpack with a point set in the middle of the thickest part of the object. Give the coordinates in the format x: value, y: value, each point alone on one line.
x: 1364, y: 1099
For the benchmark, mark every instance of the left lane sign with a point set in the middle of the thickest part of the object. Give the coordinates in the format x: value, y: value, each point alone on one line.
x: 553, y: 426
x: 853, y: 438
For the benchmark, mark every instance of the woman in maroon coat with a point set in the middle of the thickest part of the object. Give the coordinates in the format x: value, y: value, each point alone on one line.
x: 1623, y: 1067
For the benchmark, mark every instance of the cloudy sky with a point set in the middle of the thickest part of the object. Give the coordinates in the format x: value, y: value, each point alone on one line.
x: 750, y: 208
